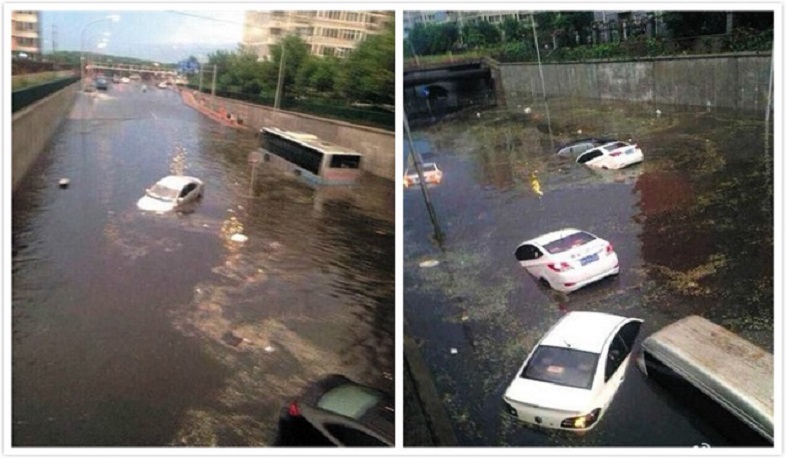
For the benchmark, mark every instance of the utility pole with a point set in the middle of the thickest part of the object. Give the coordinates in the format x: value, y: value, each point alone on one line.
x: 215, y: 72
x: 416, y: 159
x: 200, y: 78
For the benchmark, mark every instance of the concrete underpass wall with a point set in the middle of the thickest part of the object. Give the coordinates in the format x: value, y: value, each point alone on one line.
x: 377, y: 146
x: 738, y: 81
x: 34, y: 125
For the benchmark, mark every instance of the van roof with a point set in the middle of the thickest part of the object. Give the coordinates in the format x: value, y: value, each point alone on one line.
x: 734, y: 372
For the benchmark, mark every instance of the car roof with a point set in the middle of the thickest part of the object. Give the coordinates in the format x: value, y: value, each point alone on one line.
x: 552, y: 236
x: 585, y: 331
x: 177, y: 181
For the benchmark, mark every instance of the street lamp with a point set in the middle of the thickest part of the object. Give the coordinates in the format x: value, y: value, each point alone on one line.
x: 111, y: 17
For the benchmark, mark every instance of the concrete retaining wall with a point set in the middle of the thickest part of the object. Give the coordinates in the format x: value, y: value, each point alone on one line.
x: 738, y: 81
x: 33, y: 126
x: 377, y: 146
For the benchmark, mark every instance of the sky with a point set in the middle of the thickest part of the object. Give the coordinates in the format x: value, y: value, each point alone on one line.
x: 165, y: 36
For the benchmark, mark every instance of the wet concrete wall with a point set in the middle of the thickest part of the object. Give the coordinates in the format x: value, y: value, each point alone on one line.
x: 33, y: 126
x: 377, y: 146
x: 738, y: 81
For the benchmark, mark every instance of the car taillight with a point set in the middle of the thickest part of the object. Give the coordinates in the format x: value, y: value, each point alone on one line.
x: 293, y: 410
x: 582, y: 422
x: 561, y: 267
x: 609, y: 249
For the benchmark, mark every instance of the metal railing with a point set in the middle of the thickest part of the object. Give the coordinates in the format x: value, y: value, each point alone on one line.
x: 339, y: 110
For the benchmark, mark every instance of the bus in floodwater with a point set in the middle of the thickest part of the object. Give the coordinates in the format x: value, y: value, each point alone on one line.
x: 308, y: 157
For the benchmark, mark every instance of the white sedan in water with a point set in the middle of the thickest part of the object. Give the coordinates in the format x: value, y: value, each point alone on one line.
x: 613, y: 155
x: 170, y: 193
x: 571, y: 376
x: 568, y: 259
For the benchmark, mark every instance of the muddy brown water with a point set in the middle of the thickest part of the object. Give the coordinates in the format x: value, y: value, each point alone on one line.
x: 692, y: 226
x: 120, y: 318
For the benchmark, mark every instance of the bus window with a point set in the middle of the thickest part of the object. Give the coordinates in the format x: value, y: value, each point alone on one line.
x: 344, y: 161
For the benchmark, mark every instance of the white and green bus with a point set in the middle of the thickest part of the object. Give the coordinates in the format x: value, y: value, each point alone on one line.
x: 308, y: 157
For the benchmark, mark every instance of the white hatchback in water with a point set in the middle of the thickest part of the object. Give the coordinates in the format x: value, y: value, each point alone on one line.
x: 612, y: 156
x: 170, y: 193
x: 568, y: 259
x: 571, y: 376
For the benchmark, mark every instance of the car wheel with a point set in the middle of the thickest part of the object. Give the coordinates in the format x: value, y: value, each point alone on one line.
x: 545, y: 282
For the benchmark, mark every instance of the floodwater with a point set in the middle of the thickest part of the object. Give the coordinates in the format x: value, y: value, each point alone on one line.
x: 692, y: 226
x: 137, y: 329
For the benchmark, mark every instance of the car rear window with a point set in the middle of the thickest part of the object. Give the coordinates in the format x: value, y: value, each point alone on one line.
x: 562, y: 366
x: 429, y: 167
x: 568, y: 243
x: 352, y: 401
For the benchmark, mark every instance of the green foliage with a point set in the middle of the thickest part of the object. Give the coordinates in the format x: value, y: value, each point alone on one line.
x: 369, y: 73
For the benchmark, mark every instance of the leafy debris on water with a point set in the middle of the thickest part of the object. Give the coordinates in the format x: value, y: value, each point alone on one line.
x: 429, y: 263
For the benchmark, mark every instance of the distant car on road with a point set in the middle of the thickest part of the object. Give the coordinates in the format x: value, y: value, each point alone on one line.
x: 431, y: 174
x: 336, y: 411
x: 568, y: 259
x: 571, y: 376
x: 162, y: 85
x: 170, y: 193
x: 125, y: 80
x: 102, y: 84
x: 612, y: 156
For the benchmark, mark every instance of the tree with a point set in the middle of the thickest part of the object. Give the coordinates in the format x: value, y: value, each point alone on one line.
x: 513, y: 30
x: 292, y: 51
x: 368, y: 75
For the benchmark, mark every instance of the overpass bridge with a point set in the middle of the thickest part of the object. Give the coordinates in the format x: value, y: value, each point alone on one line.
x: 433, y: 91
x: 128, y: 70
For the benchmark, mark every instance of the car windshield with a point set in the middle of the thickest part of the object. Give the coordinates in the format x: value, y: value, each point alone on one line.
x: 570, y: 242
x: 562, y: 366
x: 429, y: 167
x: 161, y: 192
x: 352, y: 401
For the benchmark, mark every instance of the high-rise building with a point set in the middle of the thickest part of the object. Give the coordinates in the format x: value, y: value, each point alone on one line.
x: 26, y: 33
x: 329, y: 33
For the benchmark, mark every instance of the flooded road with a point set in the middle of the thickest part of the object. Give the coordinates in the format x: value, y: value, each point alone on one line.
x: 137, y: 329
x: 692, y: 227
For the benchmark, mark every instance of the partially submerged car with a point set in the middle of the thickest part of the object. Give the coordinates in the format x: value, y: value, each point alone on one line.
x: 170, y: 193
x: 577, y: 147
x: 568, y: 259
x: 612, y: 156
x: 571, y: 376
x: 431, y: 174
x: 337, y: 411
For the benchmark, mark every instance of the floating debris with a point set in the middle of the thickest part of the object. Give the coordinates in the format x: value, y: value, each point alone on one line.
x: 64, y: 182
x: 453, y: 351
x: 239, y: 238
x: 429, y: 263
x: 269, y: 349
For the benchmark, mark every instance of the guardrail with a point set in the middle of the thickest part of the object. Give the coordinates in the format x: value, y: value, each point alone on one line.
x: 372, y: 117
x: 29, y: 95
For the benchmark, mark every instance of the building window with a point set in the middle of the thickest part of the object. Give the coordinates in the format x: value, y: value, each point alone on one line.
x: 328, y: 51
x: 353, y: 17
x: 330, y: 33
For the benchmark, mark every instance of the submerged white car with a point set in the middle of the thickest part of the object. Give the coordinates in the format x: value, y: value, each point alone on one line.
x: 170, y: 193
x: 431, y: 174
x: 613, y: 155
x: 571, y: 376
x: 568, y: 259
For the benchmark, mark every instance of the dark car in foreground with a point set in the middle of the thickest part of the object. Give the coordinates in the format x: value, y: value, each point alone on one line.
x: 102, y: 84
x: 336, y: 411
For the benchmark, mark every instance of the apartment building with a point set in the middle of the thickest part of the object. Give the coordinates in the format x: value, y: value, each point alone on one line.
x: 26, y: 33
x: 329, y: 33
